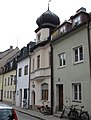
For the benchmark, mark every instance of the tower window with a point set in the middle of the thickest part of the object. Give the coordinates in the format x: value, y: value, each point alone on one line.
x: 39, y: 35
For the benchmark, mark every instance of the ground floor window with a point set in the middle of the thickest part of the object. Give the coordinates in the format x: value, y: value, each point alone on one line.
x: 44, y: 90
x: 77, y: 92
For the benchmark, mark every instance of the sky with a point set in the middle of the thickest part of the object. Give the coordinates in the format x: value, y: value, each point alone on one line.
x: 18, y: 18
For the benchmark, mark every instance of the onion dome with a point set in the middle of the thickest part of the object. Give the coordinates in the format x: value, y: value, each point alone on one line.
x: 48, y: 18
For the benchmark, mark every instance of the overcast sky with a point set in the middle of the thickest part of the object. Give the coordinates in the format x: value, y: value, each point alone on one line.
x: 18, y: 18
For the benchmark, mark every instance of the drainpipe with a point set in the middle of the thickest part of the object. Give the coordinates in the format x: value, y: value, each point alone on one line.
x: 29, y: 82
x: 2, y: 87
x: 52, y: 90
x: 89, y: 44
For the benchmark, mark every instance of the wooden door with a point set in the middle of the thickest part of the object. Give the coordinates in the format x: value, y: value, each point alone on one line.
x: 60, y: 97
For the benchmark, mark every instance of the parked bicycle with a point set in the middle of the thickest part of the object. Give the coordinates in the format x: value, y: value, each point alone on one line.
x: 45, y: 109
x: 66, y: 111
x: 25, y: 104
x: 78, y: 114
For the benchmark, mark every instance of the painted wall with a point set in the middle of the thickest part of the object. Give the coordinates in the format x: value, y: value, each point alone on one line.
x: 22, y: 82
x: 72, y: 73
x: 9, y: 87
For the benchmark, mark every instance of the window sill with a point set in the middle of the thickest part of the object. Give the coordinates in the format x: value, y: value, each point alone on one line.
x: 60, y: 67
x: 78, y: 101
x: 78, y: 62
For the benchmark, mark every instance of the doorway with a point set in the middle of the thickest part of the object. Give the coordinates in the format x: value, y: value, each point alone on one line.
x: 60, y: 97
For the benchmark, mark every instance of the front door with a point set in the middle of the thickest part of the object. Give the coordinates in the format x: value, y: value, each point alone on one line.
x: 60, y: 97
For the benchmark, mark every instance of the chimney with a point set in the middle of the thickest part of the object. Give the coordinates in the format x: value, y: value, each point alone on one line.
x: 11, y: 47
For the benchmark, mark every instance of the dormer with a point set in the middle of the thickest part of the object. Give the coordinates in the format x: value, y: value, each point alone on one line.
x: 65, y: 26
x: 80, y: 17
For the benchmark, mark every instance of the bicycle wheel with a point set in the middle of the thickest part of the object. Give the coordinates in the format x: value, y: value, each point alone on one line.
x: 73, y: 115
x: 84, y: 116
x: 43, y: 110
x: 62, y: 114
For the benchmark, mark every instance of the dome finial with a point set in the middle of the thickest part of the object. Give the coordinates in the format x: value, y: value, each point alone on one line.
x: 48, y: 4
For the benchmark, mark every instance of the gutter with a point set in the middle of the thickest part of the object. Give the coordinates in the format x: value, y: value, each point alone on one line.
x: 29, y: 82
x: 89, y: 45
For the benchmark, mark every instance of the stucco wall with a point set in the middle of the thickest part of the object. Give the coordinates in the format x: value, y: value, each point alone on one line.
x: 73, y: 72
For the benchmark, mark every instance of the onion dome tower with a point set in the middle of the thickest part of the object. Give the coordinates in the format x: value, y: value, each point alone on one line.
x: 48, y: 20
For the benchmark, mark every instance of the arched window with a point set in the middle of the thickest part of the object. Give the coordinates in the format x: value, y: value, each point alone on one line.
x: 44, y: 91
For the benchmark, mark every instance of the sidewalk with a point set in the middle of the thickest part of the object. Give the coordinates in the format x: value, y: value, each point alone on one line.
x: 36, y: 114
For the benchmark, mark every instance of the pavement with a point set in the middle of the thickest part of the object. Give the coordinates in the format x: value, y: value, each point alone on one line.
x: 36, y: 114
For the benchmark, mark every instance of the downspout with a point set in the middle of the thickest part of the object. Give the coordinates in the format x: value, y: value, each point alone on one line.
x: 29, y: 82
x: 89, y: 45
x: 2, y: 87
x: 52, y: 90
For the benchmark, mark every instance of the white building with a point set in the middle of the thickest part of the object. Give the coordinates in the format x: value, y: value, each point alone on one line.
x: 22, y: 87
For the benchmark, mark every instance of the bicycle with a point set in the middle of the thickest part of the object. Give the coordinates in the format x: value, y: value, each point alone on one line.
x: 78, y: 114
x: 45, y: 109
x: 25, y: 104
x: 66, y: 111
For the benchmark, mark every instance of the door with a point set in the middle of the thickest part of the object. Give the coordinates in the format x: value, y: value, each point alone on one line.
x: 20, y: 97
x: 60, y: 97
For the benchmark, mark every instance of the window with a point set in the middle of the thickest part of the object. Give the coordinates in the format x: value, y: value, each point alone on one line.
x: 38, y: 36
x: 77, y: 95
x: 62, y: 59
x: 49, y: 58
x: 26, y: 70
x: 10, y: 94
x: 7, y: 94
x: 76, y: 21
x: 38, y: 61
x: 44, y: 89
x: 20, y: 70
x: 11, y: 64
x: 62, y: 30
x: 33, y: 64
x: 8, y: 80
x: 11, y: 79
x: 78, y: 54
x: 5, y: 81
x: 4, y: 94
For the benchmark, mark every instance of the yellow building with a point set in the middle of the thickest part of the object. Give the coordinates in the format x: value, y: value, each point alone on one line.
x: 9, y: 86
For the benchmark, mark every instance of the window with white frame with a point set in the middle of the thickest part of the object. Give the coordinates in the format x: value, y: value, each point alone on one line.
x: 20, y: 72
x: 33, y: 64
x: 26, y: 70
x: 62, y: 30
x: 38, y: 37
x: 38, y: 61
x: 49, y: 58
x: 11, y: 82
x: 77, y: 92
x: 7, y: 94
x: 4, y: 94
x: 5, y: 81
x: 44, y: 90
x: 78, y: 54
x: 10, y: 94
x: 61, y: 59
x: 8, y: 80
x: 77, y: 21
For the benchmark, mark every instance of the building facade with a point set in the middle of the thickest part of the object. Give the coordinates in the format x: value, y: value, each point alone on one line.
x: 40, y: 74
x: 23, y: 76
x: 71, y: 62
x: 7, y: 67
